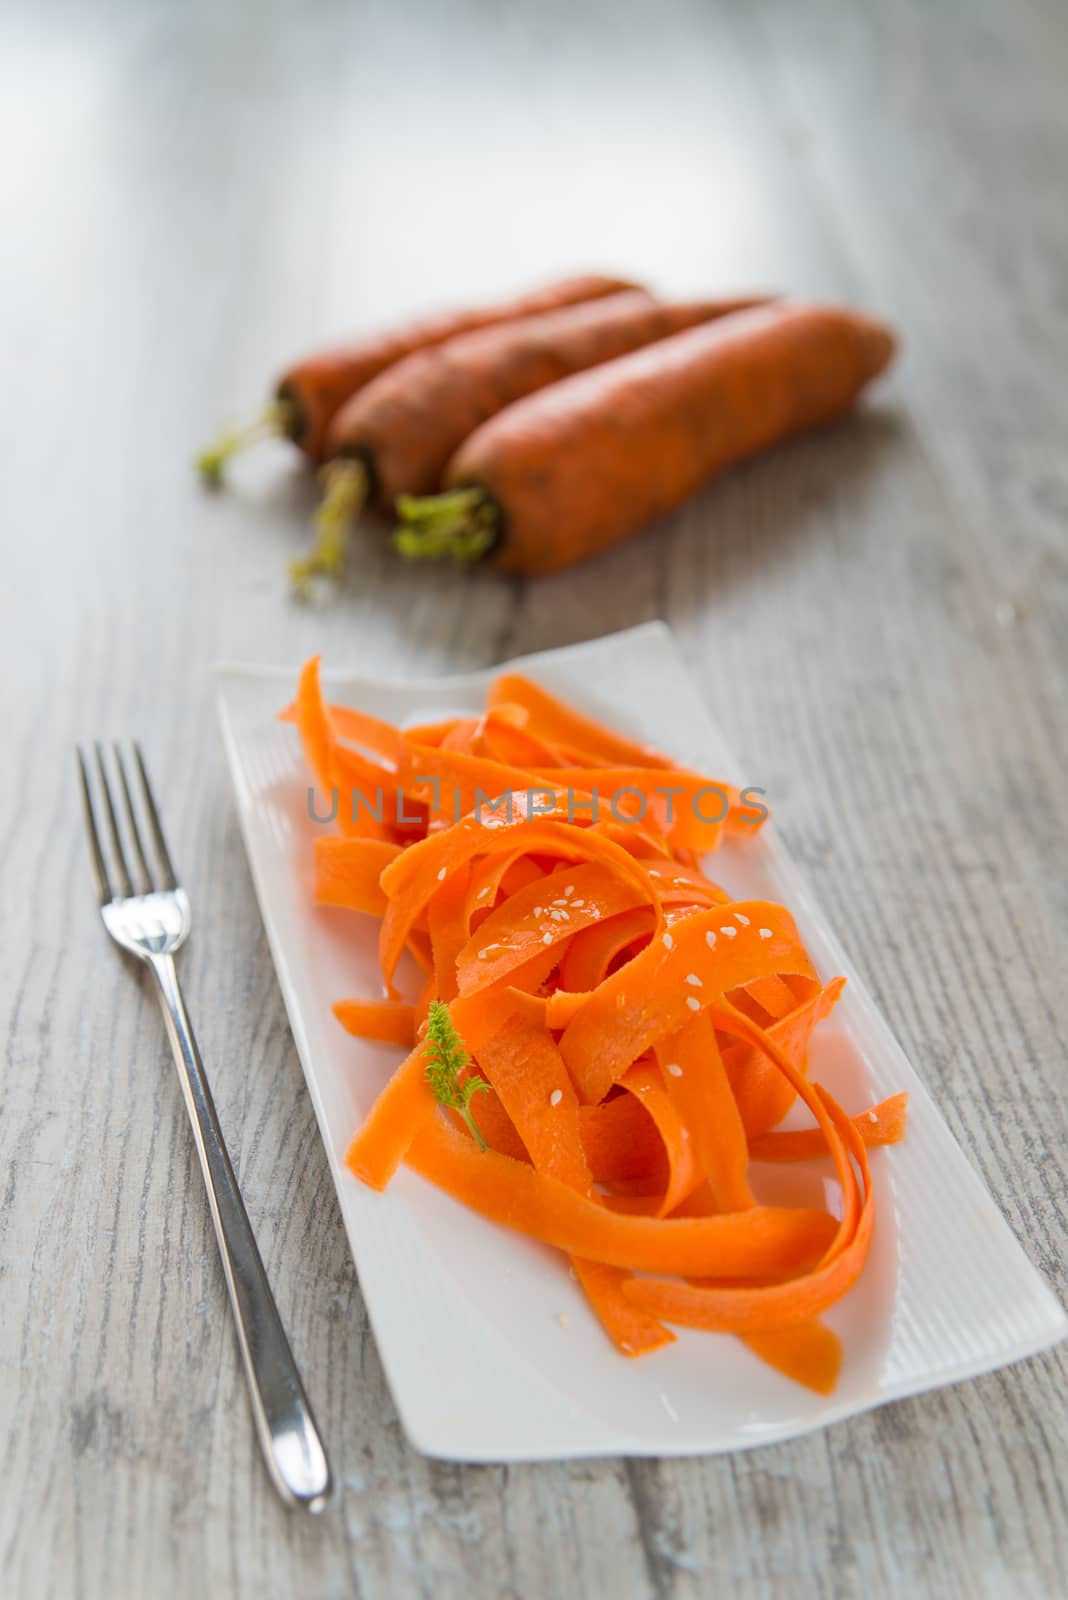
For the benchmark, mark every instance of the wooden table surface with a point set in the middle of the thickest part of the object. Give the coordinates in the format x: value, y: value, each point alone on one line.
x: 878, y: 616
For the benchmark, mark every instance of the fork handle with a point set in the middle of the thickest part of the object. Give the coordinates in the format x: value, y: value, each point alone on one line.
x: 289, y: 1437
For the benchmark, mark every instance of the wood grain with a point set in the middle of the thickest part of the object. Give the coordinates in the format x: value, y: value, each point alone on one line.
x: 879, y: 617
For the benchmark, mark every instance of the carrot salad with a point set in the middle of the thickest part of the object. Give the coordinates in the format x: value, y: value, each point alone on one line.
x: 602, y: 1041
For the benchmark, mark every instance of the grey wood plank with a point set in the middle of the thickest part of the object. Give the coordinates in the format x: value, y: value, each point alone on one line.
x: 877, y: 615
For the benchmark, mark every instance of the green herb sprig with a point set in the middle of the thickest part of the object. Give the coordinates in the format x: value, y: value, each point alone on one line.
x: 446, y: 1060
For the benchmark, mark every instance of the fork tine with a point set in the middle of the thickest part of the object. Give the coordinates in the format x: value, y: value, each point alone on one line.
x: 125, y: 883
x: 170, y: 880
x: 96, y: 855
x: 131, y: 816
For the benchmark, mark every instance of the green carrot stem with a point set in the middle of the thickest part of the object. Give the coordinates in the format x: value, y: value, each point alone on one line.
x: 447, y: 1061
x: 472, y: 1126
x: 275, y: 419
x: 346, y: 487
x: 462, y: 526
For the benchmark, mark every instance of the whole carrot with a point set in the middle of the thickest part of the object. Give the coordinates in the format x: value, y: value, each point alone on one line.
x: 309, y: 392
x: 577, y: 467
x: 397, y: 434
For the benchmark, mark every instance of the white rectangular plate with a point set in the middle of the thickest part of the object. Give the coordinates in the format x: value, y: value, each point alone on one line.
x: 488, y: 1345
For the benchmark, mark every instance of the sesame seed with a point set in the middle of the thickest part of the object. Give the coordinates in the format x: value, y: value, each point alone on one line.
x: 537, y: 911
x: 559, y: 902
x: 669, y: 943
x: 674, y: 1068
x: 765, y: 933
x: 578, y: 904
x: 595, y: 912
x: 693, y: 1002
x: 729, y: 933
x: 563, y: 1319
x: 546, y: 938
x: 442, y: 874
x: 872, y: 1117
x: 653, y: 873
x: 685, y: 1133
x: 710, y: 939
x: 569, y: 888
x: 743, y: 920
x: 482, y: 954
x: 694, y: 981
x: 556, y: 1097
x: 629, y: 1348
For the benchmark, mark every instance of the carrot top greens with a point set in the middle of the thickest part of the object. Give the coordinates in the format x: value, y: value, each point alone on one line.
x: 446, y: 1060
x: 276, y: 419
x: 463, y: 524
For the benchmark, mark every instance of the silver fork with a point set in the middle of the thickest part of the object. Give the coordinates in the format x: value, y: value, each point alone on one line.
x: 152, y: 922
